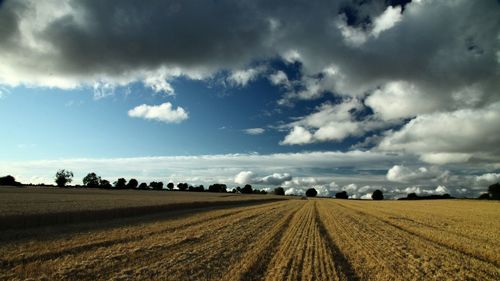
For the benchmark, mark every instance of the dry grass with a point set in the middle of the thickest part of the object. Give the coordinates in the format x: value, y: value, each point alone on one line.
x: 319, y: 239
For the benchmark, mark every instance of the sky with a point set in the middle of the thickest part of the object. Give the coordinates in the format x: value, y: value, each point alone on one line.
x: 401, y: 96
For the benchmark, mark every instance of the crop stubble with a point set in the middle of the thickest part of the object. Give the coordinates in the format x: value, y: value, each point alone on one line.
x: 320, y: 239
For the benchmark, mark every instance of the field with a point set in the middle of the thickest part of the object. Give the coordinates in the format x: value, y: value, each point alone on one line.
x: 315, y: 239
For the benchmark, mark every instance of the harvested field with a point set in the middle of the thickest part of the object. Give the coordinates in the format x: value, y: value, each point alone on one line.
x: 25, y: 207
x: 316, y: 239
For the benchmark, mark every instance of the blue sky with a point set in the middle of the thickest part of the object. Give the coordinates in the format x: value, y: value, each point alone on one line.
x: 338, y: 95
x: 74, y: 123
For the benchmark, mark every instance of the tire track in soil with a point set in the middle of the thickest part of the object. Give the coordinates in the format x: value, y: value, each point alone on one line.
x: 343, y: 268
x: 257, y: 270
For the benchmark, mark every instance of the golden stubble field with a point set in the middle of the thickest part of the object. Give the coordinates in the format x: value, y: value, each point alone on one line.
x: 315, y: 239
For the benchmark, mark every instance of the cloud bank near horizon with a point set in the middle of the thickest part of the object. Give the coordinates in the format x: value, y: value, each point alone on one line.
x: 357, y: 172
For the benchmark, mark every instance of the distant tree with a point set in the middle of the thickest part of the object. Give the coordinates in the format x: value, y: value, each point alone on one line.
x: 311, y: 192
x: 484, y: 196
x: 170, y: 185
x: 9, y: 180
x: 377, y: 195
x: 143, y: 186
x: 247, y: 189
x: 279, y: 191
x: 234, y: 190
x: 217, y: 187
x: 63, y: 177
x: 156, y: 185
x: 132, y: 184
x: 342, y: 195
x: 121, y: 183
x: 182, y: 186
x: 91, y: 180
x: 259, y: 191
x: 200, y: 188
x: 105, y: 184
x: 238, y: 189
x: 412, y: 196
x: 494, y: 191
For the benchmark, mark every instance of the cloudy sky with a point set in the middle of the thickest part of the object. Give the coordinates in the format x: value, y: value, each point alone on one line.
x: 402, y: 96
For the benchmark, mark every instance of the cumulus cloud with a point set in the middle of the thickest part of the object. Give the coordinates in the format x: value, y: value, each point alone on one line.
x: 163, y: 112
x: 399, y: 99
x: 450, y: 137
x: 249, y: 177
x: 298, y: 135
x: 399, y: 173
x: 419, y: 190
x: 254, y: 131
x: 487, y: 179
x: 244, y: 177
x: 331, y: 122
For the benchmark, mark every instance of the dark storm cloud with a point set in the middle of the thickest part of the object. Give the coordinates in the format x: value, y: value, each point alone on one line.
x: 118, y: 35
x: 116, y: 39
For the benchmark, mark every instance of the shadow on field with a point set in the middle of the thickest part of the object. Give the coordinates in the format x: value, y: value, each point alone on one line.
x: 57, y: 225
x: 342, y: 264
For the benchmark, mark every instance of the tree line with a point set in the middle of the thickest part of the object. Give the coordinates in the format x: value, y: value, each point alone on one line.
x: 92, y: 180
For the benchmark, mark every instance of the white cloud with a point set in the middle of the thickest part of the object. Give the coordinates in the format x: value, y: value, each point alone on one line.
x: 276, y: 179
x: 254, y: 131
x: 400, y: 173
x: 158, y: 82
x: 249, y: 177
x: 386, y: 20
x: 350, y: 188
x: 280, y: 78
x: 103, y: 89
x: 242, y: 77
x: 400, y: 99
x: 331, y: 122
x: 4, y: 91
x: 291, y: 56
x: 163, y: 112
x: 244, y: 177
x: 367, y: 196
x: 439, y: 190
x: 356, y: 37
x: 487, y: 179
x: 444, y: 158
x: 450, y: 137
x: 298, y: 135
